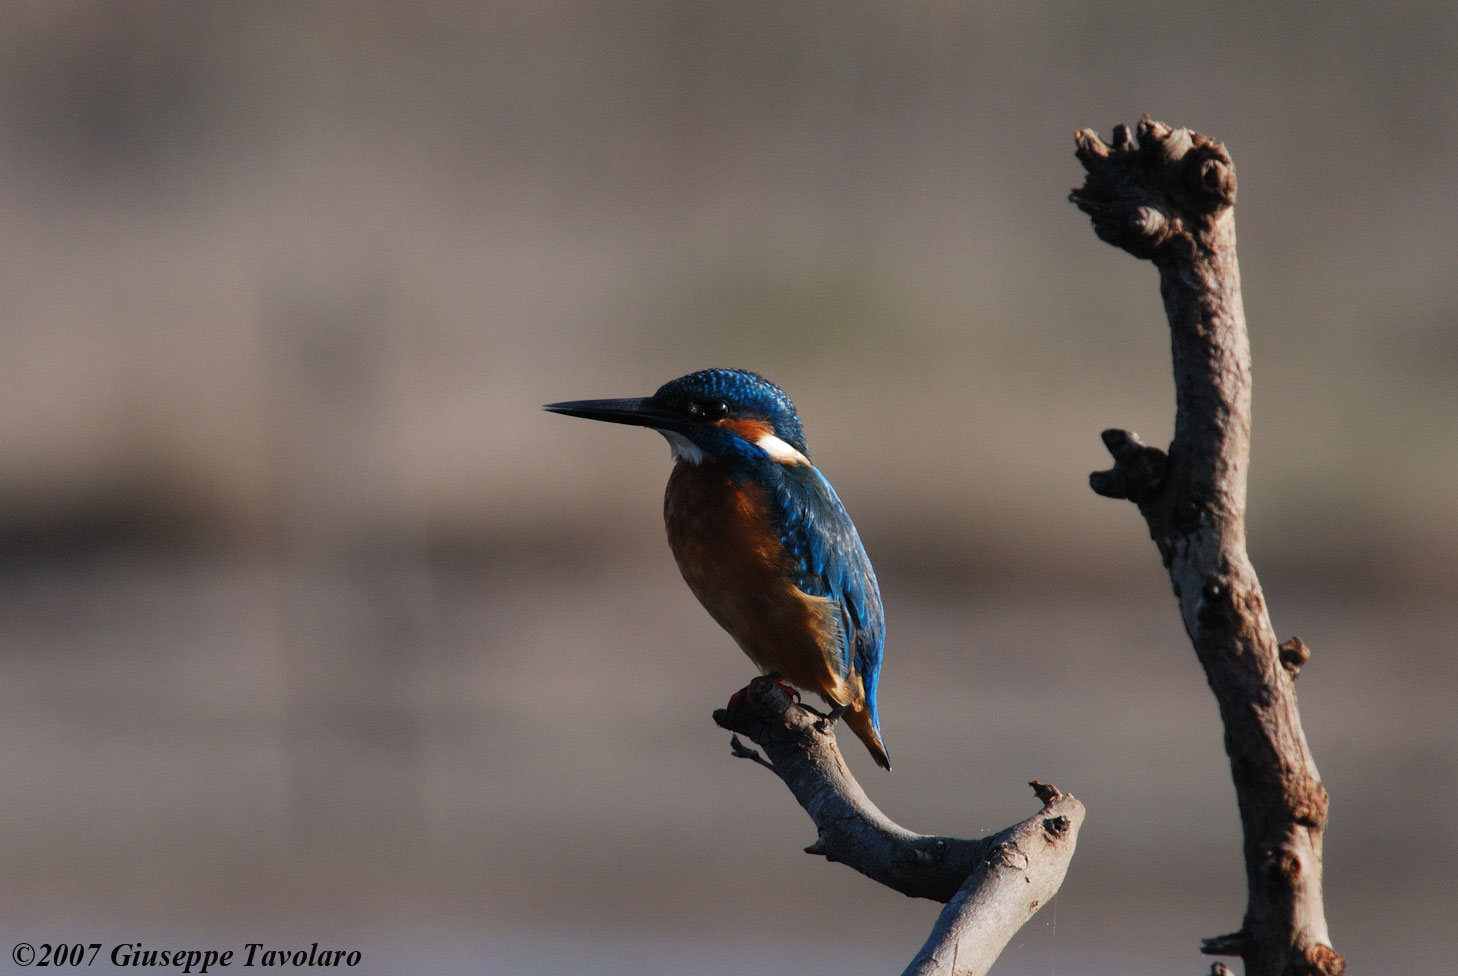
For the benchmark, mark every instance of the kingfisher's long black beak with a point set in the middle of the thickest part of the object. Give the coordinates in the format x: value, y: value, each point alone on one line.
x: 638, y: 411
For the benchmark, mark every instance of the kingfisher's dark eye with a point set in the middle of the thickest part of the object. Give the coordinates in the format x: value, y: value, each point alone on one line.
x: 710, y: 410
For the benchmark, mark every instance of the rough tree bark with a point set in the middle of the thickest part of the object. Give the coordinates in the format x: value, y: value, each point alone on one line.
x: 991, y: 886
x: 1168, y: 198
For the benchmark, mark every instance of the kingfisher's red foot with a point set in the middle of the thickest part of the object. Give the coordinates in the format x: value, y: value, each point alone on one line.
x: 758, y: 686
x: 786, y: 687
x: 774, y: 678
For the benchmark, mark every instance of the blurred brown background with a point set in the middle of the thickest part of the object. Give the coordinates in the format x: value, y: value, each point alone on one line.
x: 314, y: 627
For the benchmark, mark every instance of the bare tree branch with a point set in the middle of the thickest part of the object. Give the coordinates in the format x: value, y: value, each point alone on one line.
x: 1169, y: 198
x: 991, y: 885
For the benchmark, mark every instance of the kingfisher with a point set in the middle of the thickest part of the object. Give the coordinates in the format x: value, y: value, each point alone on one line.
x: 762, y: 539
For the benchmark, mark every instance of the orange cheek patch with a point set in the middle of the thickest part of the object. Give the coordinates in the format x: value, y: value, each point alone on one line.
x: 750, y: 430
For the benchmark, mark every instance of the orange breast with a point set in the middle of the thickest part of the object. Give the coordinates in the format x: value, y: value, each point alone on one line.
x: 730, y: 556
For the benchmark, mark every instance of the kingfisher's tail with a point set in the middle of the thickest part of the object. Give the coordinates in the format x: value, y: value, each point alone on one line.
x: 862, y: 724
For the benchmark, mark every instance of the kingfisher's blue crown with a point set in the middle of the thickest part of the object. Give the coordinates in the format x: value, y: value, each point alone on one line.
x: 740, y: 393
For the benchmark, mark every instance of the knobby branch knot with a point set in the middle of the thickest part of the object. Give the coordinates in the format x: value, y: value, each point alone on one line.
x: 1321, y: 960
x: 1138, y: 473
x: 1157, y: 195
x: 1294, y: 654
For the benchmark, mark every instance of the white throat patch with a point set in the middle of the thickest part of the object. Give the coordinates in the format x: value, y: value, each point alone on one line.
x: 682, y: 448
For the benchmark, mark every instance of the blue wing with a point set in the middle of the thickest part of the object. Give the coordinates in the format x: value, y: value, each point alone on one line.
x: 827, y: 559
